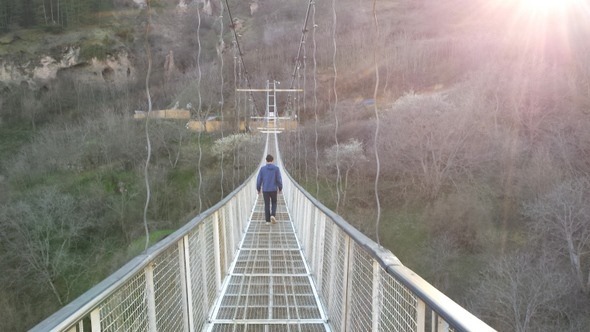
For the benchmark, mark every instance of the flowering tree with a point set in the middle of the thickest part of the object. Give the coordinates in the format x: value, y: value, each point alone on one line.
x: 346, y: 157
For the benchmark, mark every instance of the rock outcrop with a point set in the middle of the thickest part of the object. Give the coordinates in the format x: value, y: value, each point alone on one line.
x: 114, y: 69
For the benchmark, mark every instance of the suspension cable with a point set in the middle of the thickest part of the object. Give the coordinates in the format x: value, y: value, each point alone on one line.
x: 375, y: 147
x: 241, y: 54
x: 304, y: 95
x: 301, y: 42
x: 315, y: 103
x: 238, y: 106
x: 221, y: 102
x: 199, y: 109
x: 297, y: 115
x: 236, y: 115
x: 147, y: 119
x: 338, y: 175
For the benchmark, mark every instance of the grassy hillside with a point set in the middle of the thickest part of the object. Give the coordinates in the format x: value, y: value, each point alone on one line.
x: 482, y: 109
x: 482, y: 115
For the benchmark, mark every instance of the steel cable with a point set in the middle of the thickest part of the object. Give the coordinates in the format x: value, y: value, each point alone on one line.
x: 241, y: 54
x: 147, y: 119
x: 375, y: 146
x: 221, y: 102
x: 334, y: 89
x: 304, y: 94
x: 199, y: 110
x: 315, y: 102
x: 235, y: 114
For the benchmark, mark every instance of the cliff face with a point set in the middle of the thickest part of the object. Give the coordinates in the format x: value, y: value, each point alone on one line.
x: 34, y: 74
x: 114, y: 69
x: 98, y: 56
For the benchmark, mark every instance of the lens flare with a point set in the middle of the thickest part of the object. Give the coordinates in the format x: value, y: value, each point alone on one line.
x: 545, y: 5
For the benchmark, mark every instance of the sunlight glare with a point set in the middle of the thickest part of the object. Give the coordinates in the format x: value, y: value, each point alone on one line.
x: 545, y: 6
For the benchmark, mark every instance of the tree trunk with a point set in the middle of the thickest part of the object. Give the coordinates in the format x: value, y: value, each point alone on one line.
x: 44, y: 12
x: 51, y: 11
x: 575, y: 261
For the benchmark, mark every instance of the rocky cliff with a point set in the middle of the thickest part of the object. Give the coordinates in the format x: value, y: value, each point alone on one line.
x: 36, y: 73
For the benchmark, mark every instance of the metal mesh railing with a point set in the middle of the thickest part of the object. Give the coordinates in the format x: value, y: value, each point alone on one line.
x: 174, y: 285
x: 363, y: 286
x: 126, y: 309
x: 168, y: 290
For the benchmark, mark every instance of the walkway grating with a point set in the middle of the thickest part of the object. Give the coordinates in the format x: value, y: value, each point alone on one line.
x: 269, y: 287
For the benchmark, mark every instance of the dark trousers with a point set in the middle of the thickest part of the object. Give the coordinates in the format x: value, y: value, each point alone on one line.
x: 269, y: 197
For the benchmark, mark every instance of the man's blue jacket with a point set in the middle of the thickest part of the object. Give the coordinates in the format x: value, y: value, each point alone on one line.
x: 269, y: 178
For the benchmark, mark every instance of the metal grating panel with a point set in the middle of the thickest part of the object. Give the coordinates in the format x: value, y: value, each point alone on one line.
x: 270, y: 240
x: 126, y: 309
x: 168, y: 291
x: 333, y: 271
x: 264, y: 227
x: 290, y: 327
x: 267, y: 298
x: 399, y: 306
x: 210, y: 262
x: 200, y: 305
x: 361, y: 294
x: 269, y: 287
x: 269, y: 261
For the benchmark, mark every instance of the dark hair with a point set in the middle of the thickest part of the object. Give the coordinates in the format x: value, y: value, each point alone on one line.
x: 269, y: 158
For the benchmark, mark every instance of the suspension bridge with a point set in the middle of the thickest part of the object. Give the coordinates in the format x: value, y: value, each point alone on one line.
x: 228, y: 270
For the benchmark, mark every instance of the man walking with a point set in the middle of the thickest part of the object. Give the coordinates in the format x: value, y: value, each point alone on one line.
x: 269, y: 182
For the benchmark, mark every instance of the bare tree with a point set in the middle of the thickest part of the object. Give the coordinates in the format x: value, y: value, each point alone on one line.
x: 438, y: 256
x: 42, y: 233
x: 31, y: 107
x: 430, y: 142
x: 519, y: 293
x: 561, y: 218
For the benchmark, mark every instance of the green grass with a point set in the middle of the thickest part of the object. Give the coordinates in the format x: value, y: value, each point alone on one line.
x: 182, y: 178
x: 12, y: 138
x: 137, y: 247
x: 403, y: 233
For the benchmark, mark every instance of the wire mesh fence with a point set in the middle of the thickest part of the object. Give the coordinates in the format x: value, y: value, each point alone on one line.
x: 174, y: 285
x: 363, y: 286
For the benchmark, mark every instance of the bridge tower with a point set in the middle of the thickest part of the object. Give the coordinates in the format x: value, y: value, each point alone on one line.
x: 271, y: 121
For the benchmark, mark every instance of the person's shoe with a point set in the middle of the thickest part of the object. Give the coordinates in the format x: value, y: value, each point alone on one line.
x: 273, y: 219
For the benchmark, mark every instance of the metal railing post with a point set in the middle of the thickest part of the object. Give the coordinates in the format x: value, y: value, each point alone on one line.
x: 150, y: 294
x: 376, y: 295
x: 216, y: 251
x: 230, y: 241
x: 439, y: 323
x: 421, y: 316
x: 348, y: 266
x: 204, y: 275
x: 319, y: 263
x: 95, y: 320
x: 186, y: 284
x: 332, y: 273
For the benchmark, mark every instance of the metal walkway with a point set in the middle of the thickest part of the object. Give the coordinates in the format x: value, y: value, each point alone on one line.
x: 227, y: 270
x: 269, y: 285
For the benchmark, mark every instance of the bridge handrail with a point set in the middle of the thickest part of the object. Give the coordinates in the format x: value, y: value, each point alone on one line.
x: 174, y: 284
x: 445, y: 312
x: 81, y: 308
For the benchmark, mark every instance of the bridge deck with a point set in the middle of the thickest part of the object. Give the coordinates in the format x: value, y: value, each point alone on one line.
x: 269, y: 287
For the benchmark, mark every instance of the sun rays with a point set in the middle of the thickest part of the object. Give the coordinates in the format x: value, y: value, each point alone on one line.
x: 542, y: 31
